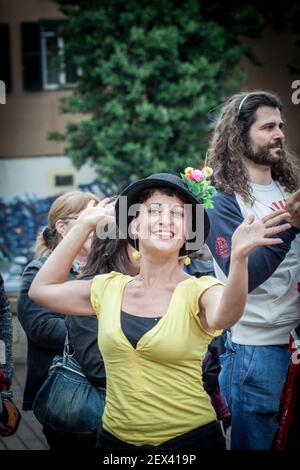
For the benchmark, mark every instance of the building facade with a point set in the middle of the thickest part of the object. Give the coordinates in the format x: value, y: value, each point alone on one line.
x: 34, y: 169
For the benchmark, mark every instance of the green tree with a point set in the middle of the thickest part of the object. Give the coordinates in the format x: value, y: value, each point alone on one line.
x: 153, y: 72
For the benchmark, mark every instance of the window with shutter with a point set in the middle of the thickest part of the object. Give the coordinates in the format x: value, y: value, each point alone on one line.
x: 44, y: 63
x: 57, y: 71
x: 31, y: 56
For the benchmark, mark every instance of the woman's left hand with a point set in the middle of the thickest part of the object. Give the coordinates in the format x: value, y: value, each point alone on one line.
x: 251, y: 234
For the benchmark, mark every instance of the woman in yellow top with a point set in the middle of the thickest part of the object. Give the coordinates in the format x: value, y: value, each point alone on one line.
x: 154, y: 328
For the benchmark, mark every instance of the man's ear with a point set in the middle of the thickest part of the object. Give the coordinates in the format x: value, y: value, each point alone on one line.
x: 61, y: 227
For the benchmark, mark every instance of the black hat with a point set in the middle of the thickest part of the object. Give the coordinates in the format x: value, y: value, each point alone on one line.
x: 160, y: 180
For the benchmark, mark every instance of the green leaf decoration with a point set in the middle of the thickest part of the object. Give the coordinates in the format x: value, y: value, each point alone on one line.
x: 203, y: 188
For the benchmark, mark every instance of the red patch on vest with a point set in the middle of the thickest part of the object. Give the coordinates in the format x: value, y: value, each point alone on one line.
x: 222, y: 248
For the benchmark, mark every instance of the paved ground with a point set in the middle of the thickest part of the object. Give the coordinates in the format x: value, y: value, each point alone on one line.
x: 29, y: 435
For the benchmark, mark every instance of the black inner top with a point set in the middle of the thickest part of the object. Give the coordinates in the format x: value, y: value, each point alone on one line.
x: 135, y: 327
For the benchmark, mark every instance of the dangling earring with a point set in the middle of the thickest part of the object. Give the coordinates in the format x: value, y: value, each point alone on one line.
x: 136, y: 254
x: 187, y: 261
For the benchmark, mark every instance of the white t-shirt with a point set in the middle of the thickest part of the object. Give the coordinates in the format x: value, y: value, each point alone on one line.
x: 272, y: 309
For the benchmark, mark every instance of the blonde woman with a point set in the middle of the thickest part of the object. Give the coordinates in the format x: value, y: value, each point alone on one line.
x: 45, y: 329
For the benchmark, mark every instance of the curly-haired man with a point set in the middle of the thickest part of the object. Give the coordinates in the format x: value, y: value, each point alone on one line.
x: 254, y: 175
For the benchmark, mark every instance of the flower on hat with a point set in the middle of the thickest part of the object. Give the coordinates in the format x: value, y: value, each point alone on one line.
x: 198, y: 182
x: 207, y: 171
x: 195, y: 175
x: 188, y: 171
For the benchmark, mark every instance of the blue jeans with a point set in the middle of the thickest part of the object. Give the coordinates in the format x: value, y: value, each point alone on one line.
x: 251, y: 379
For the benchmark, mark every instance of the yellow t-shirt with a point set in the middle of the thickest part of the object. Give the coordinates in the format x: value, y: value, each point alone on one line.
x: 154, y: 392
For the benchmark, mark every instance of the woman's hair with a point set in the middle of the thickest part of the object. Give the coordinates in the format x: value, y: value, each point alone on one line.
x: 107, y: 254
x: 230, y: 143
x: 110, y: 253
x: 147, y: 193
x: 65, y: 206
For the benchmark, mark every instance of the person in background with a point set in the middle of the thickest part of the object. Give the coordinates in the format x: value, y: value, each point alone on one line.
x: 6, y: 359
x: 9, y: 414
x: 46, y: 330
x: 254, y: 175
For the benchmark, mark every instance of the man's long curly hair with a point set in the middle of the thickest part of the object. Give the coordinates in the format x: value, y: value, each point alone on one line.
x: 230, y: 141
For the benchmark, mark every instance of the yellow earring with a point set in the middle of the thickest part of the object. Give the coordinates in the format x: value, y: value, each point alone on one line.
x: 187, y: 261
x: 136, y: 255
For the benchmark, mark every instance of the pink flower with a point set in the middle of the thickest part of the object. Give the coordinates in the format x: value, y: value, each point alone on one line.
x: 298, y: 287
x: 195, y: 175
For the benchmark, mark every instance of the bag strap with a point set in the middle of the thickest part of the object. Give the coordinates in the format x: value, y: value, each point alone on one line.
x: 64, y: 363
x: 66, y: 351
x: 66, y: 345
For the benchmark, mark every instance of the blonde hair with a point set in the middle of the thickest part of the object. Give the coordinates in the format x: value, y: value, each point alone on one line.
x: 67, y: 205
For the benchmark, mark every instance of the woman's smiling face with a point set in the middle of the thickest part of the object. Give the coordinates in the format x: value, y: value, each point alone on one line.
x: 160, y: 224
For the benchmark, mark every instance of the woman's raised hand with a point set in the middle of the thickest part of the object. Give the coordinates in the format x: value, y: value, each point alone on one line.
x: 251, y: 234
x: 97, y: 215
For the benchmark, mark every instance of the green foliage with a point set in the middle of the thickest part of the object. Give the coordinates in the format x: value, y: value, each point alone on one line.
x: 57, y: 136
x: 152, y: 73
x: 203, y: 188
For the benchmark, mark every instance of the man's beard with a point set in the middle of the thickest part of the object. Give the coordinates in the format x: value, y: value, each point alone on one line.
x: 264, y: 156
